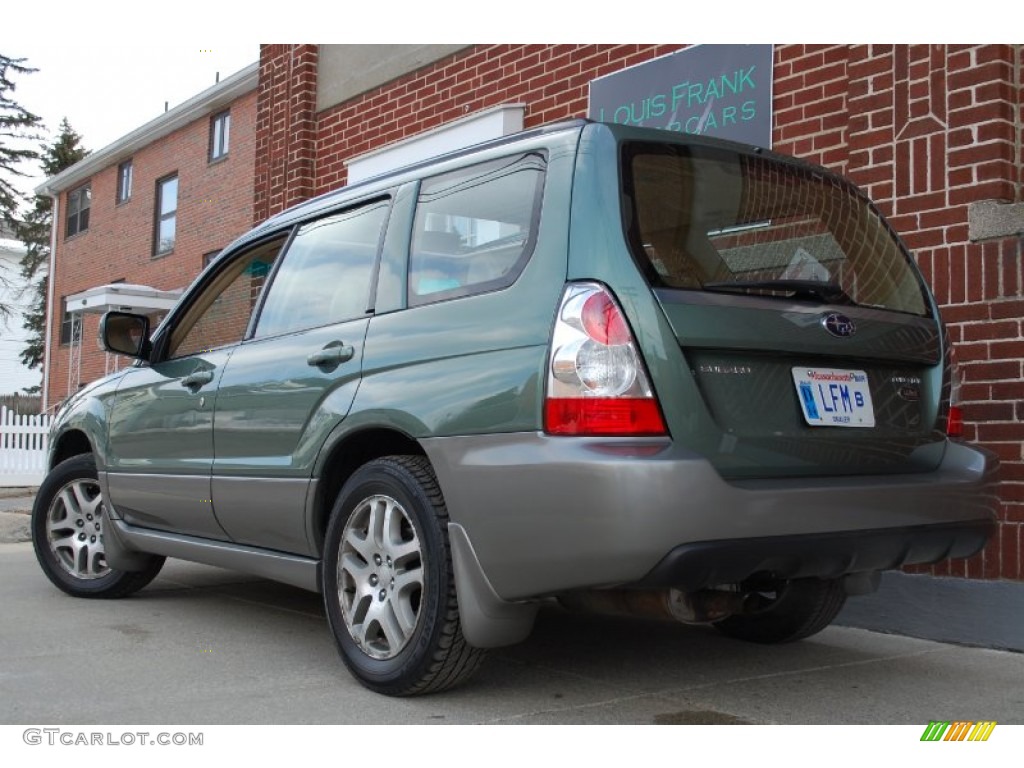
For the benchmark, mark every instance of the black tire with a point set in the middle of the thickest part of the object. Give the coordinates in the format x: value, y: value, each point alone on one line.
x: 787, y: 612
x: 67, y: 532
x: 404, y: 581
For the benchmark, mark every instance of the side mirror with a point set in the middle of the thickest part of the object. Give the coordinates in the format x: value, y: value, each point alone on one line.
x: 125, y: 334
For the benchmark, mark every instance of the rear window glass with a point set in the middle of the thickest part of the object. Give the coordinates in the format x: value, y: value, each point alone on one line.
x: 474, y: 228
x: 705, y: 218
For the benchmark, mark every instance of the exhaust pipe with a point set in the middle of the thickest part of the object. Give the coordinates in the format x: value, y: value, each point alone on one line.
x: 701, y: 607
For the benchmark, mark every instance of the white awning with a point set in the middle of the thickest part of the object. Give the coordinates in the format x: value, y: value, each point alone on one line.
x: 123, y: 297
x: 487, y: 124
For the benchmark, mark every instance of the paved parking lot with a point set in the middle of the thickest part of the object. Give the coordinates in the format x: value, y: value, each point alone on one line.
x: 203, y: 645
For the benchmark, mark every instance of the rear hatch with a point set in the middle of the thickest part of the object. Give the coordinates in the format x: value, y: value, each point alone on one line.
x: 809, y: 336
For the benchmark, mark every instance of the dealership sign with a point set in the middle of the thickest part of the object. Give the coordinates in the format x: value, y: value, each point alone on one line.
x: 715, y: 90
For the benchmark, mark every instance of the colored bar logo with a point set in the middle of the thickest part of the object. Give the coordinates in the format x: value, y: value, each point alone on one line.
x: 959, y: 730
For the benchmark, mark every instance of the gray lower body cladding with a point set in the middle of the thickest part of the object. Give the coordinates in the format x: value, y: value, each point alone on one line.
x: 548, y: 514
x: 124, y: 542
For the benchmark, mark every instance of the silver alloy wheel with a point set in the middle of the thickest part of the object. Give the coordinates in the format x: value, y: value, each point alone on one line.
x: 380, y: 576
x: 74, y: 529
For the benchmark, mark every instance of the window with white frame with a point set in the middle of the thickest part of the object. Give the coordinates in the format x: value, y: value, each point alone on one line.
x: 166, y: 215
x: 124, y: 181
x: 220, y: 135
x: 68, y: 325
x: 79, y: 203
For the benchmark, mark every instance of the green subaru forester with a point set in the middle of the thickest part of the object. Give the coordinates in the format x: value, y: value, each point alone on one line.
x: 621, y: 368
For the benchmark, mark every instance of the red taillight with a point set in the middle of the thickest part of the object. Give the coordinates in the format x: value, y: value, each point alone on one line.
x: 596, y: 382
x: 603, y: 322
x: 955, y: 414
x: 603, y: 416
x: 955, y: 422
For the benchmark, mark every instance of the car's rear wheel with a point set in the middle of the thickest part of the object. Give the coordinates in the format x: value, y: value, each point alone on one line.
x: 68, y: 518
x: 388, y: 585
x: 785, y: 611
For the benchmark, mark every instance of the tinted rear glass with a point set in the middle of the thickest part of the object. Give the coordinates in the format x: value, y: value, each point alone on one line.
x: 707, y: 218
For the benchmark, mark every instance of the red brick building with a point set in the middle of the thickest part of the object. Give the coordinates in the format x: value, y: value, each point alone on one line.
x: 146, y: 210
x: 932, y: 132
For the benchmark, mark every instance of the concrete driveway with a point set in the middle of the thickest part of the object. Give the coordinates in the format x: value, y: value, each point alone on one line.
x: 203, y: 645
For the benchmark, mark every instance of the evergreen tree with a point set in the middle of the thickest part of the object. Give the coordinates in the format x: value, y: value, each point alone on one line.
x: 18, y: 127
x: 34, y: 232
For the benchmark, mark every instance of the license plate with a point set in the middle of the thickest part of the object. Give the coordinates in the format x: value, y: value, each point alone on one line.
x: 831, y: 397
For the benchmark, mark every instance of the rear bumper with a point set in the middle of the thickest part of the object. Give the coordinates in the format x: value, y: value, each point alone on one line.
x: 547, y: 514
x: 825, y: 555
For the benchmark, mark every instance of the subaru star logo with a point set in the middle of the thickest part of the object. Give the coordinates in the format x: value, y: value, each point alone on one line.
x: 838, y: 325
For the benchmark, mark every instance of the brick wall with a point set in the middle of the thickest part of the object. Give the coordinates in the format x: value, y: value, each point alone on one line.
x: 285, y: 127
x: 214, y: 206
x: 934, y: 129
x: 925, y: 129
x: 550, y: 80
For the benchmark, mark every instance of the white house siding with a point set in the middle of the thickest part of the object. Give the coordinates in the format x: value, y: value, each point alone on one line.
x: 14, y: 376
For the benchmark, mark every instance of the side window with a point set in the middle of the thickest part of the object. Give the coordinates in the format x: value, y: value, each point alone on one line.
x: 325, y: 275
x: 166, y: 215
x: 220, y: 315
x: 68, y: 325
x: 124, y: 182
x: 220, y: 130
x: 475, y: 228
x: 79, y: 203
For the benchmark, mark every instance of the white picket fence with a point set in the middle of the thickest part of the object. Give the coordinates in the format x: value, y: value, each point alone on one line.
x: 23, y: 441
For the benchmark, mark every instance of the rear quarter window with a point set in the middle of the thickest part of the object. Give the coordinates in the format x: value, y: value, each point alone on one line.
x: 474, y: 228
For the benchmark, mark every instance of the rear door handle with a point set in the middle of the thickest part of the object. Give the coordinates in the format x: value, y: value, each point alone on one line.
x: 197, y: 379
x: 332, y: 354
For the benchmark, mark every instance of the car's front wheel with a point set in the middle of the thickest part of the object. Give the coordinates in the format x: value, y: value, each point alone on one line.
x: 68, y: 519
x: 388, y: 585
x: 785, y: 611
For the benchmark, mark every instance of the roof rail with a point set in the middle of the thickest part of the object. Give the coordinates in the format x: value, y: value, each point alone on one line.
x: 559, y: 125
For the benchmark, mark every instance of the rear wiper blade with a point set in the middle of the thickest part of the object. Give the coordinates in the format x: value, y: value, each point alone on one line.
x: 817, y: 290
